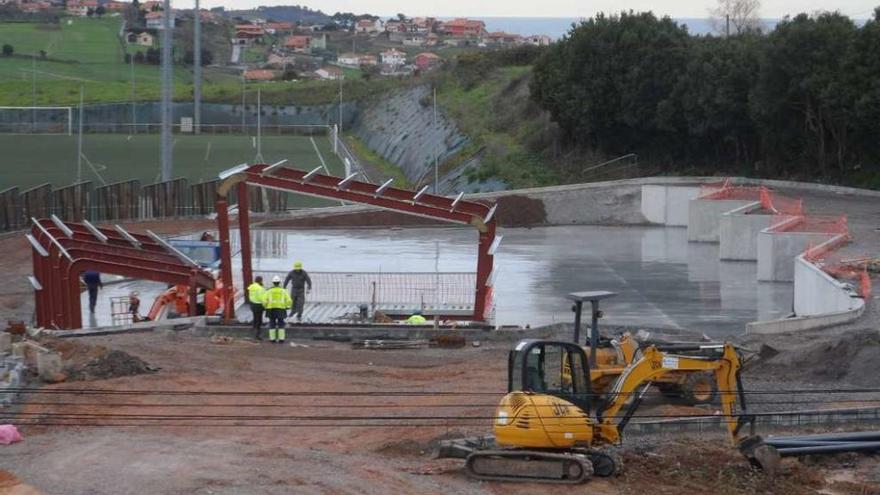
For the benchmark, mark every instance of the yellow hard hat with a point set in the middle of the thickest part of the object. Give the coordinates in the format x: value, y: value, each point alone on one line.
x: 297, y: 265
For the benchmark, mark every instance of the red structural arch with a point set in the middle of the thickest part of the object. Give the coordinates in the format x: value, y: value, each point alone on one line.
x: 418, y: 203
x: 61, y: 252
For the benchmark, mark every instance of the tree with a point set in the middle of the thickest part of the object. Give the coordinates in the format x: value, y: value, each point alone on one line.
x: 100, y: 11
x: 8, y: 50
x: 207, y: 57
x: 43, y: 54
x: 609, y: 83
x: 153, y: 56
x: 803, y: 100
x: 139, y: 58
x: 863, y: 67
x: 743, y: 16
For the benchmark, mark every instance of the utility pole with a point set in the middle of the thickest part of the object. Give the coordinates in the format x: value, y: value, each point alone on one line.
x: 79, y: 138
x: 34, y: 92
x: 340, y: 106
x: 133, y: 96
x: 167, y: 88
x: 259, y: 157
x: 243, y: 117
x: 197, y: 71
x: 727, y: 26
x: 436, y: 151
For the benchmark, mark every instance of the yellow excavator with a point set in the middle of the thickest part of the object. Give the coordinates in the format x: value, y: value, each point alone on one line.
x: 552, y: 426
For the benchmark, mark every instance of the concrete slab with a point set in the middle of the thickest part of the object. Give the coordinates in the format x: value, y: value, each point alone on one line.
x: 738, y: 232
x: 704, y: 217
x: 667, y: 204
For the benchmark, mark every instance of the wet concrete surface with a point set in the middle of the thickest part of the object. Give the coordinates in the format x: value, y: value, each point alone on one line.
x: 661, y: 279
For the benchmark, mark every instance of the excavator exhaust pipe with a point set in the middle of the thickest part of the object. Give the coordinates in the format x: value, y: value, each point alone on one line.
x: 760, y: 455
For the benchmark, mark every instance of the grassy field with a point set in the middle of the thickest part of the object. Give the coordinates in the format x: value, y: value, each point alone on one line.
x: 30, y: 160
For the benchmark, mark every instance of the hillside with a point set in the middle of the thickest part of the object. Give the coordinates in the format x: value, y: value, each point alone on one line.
x: 289, y: 13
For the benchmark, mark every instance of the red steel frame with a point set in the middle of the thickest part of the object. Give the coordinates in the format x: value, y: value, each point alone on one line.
x: 60, y: 257
x: 477, y: 214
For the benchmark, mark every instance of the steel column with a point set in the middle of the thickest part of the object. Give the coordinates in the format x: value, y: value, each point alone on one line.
x: 222, y: 208
x: 484, y: 270
x: 244, y: 234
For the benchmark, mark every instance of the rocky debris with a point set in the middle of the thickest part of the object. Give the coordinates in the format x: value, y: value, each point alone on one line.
x: 11, y: 485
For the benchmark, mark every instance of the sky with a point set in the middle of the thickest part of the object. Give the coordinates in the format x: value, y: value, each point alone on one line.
x: 546, y: 8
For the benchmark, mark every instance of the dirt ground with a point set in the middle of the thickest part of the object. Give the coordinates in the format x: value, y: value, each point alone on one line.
x: 338, y: 458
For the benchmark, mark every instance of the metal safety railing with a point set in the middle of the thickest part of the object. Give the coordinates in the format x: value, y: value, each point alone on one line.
x: 413, y: 288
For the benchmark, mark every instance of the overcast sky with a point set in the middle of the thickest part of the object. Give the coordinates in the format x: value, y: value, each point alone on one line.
x: 543, y: 8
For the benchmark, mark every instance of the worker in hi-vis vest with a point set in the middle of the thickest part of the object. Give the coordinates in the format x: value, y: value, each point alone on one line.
x: 277, y: 301
x: 255, y: 294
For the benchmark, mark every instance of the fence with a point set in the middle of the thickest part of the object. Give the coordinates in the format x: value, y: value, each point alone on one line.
x: 122, y: 201
x: 428, y: 289
x: 841, y: 266
x: 820, y: 224
x: 771, y: 202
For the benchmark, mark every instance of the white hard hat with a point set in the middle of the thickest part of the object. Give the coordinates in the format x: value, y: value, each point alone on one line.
x: 276, y: 279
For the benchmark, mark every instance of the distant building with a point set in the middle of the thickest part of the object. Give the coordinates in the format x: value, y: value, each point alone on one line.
x: 427, y: 61
x: 305, y: 44
x: 538, y: 40
x: 349, y: 60
x: 116, y: 6
x: 81, y: 7
x: 155, y: 20
x: 33, y: 7
x: 368, y: 26
x: 279, y: 27
x: 395, y: 26
x: 249, y: 31
x: 502, y: 38
x: 330, y: 72
x: 393, y: 57
x: 140, y: 39
x: 464, y: 28
x: 368, y: 59
x: 151, y: 5
x: 260, y: 75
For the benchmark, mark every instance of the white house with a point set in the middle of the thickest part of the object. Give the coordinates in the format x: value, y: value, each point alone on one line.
x: 349, y: 60
x: 394, y: 58
x: 154, y: 20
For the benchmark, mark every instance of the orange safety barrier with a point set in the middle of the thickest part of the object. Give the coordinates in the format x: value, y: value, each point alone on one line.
x: 822, y: 224
x: 778, y: 204
x: 831, y: 261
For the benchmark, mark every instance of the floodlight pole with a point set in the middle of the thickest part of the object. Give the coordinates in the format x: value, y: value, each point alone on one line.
x: 436, y: 151
x: 167, y: 88
x: 197, y: 71
x: 259, y: 157
x: 79, y: 139
x: 133, y: 96
x: 34, y: 91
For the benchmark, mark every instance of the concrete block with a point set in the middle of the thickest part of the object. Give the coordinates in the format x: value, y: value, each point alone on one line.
x: 678, y: 200
x: 48, y: 364
x: 654, y: 203
x: 704, y: 217
x: 738, y: 232
x: 817, y: 293
x: 777, y: 251
x: 5, y: 343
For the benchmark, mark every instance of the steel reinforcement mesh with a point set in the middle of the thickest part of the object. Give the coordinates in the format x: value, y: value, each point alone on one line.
x: 413, y: 288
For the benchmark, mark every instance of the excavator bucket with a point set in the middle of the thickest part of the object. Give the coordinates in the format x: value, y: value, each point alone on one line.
x: 762, y: 456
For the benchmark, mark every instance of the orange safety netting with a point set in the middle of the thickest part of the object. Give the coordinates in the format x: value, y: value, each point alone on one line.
x: 834, y: 263
x: 711, y: 188
x: 820, y: 224
x: 778, y: 204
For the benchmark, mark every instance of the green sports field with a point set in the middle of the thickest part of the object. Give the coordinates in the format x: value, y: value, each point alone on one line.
x: 29, y: 160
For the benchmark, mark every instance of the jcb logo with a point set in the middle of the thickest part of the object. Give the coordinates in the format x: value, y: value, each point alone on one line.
x: 656, y: 364
x: 560, y: 409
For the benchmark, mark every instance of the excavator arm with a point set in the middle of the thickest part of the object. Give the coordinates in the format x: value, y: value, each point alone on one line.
x: 652, y: 364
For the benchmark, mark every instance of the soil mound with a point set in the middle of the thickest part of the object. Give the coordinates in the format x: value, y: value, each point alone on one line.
x: 83, y: 361
x: 849, y: 358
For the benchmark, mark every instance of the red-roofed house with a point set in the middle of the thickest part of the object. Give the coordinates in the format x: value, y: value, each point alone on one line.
x: 250, y: 31
x: 279, y: 27
x: 539, y: 40
x: 305, y: 44
x: 155, y: 20
x: 116, y: 6
x: 330, y: 72
x: 81, y: 7
x: 427, y: 61
x: 151, y: 5
x: 502, y: 38
x: 465, y: 28
x: 368, y: 26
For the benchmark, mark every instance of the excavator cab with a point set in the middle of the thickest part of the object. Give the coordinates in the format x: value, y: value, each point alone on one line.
x: 559, y: 369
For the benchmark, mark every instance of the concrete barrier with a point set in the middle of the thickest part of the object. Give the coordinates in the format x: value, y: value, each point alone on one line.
x: 667, y: 204
x: 820, y: 301
x: 738, y: 232
x: 704, y: 217
x: 778, y: 248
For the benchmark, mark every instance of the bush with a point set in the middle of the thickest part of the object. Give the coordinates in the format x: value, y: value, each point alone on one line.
x: 8, y: 50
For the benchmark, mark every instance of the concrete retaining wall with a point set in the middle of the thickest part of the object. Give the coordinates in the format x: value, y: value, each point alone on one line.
x: 820, y: 301
x: 667, y: 204
x: 704, y: 217
x: 777, y: 250
x: 738, y: 232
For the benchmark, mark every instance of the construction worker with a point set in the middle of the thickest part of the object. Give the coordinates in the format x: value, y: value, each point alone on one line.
x: 300, y: 283
x: 255, y: 294
x: 92, y: 280
x: 277, y: 302
x: 416, y: 318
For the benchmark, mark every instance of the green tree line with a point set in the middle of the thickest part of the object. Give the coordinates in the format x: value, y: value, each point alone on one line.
x: 800, y: 101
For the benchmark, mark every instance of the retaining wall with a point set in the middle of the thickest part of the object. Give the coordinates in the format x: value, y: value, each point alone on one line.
x: 704, y: 217
x: 777, y: 250
x: 667, y: 205
x: 738, y: 232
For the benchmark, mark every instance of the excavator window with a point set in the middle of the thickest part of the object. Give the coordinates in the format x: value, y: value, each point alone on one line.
x: 554, y: 368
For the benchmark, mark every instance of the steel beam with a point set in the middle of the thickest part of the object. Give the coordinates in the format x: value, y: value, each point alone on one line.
x: 60, y: 224
x: 128, y: 237
x: 268, y: 170
x: 95, y: 232
x: 244, y: 233
x: 222, y: 208
x: 381, y: 189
